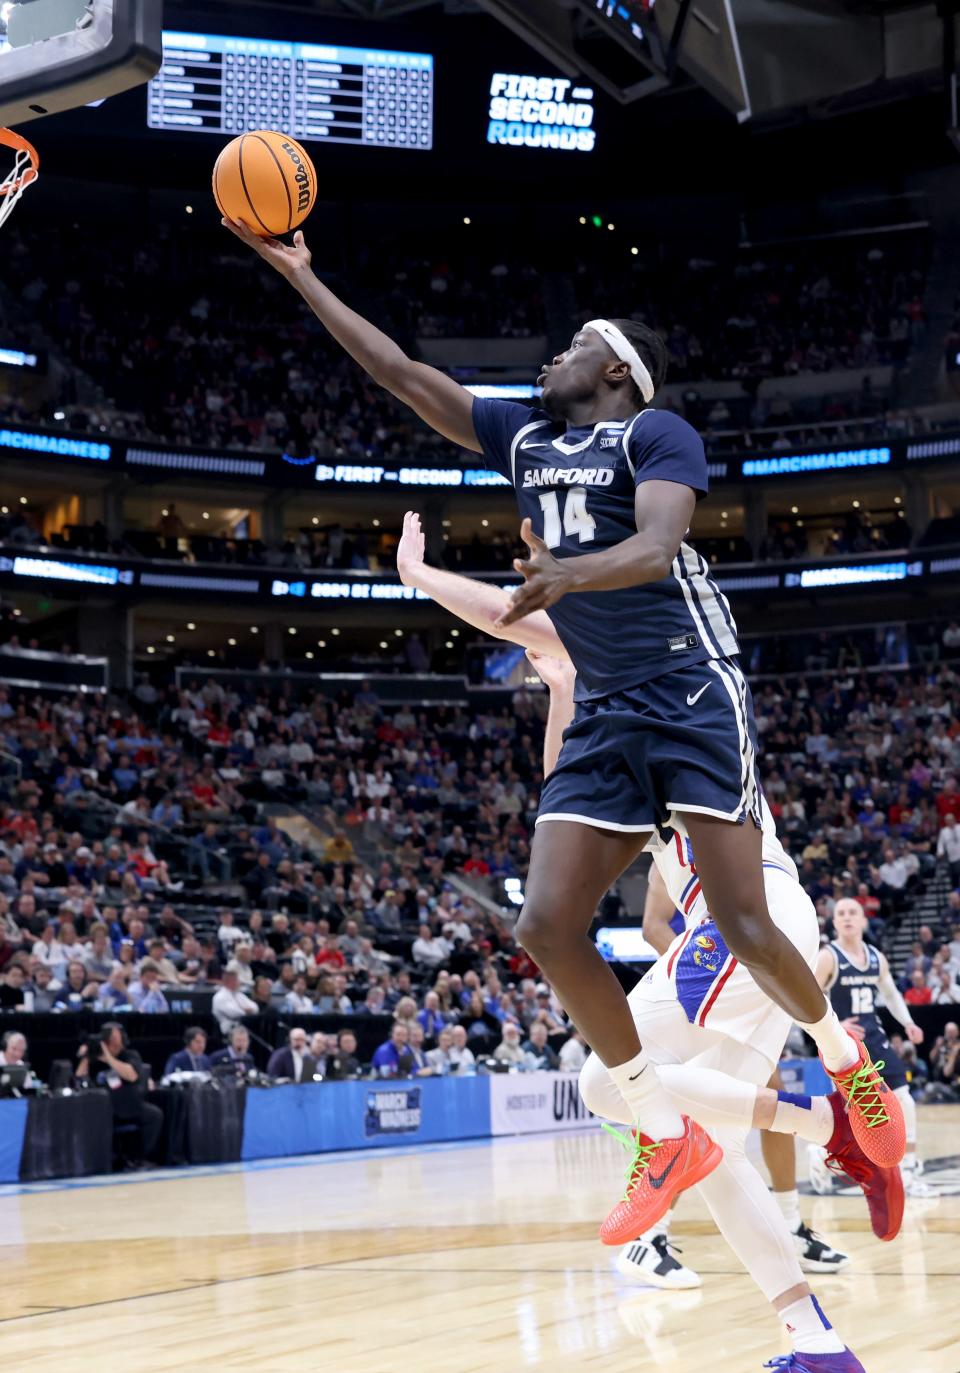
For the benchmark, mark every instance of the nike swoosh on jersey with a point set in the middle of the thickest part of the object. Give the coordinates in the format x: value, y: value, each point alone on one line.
x: 657, y: 1182
x: 692, y: 700
x: 533, y: 444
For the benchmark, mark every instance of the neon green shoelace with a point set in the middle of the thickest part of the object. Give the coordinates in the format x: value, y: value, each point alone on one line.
x: 865, y: 1094
x: 641, y: 1156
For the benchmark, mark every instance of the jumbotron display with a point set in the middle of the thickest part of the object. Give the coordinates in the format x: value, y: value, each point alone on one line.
x: 210, y: 83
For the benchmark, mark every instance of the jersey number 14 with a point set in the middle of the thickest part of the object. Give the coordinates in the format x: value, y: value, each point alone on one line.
x: 577, y: 522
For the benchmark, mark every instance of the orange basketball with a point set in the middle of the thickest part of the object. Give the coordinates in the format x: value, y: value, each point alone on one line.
x: 267, y: 180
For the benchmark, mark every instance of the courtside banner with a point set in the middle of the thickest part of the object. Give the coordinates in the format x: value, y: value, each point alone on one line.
x: 527, y: 1103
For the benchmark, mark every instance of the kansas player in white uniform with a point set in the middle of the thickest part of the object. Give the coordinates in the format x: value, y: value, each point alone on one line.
x: 608, y: 487
x: 706, y: 1021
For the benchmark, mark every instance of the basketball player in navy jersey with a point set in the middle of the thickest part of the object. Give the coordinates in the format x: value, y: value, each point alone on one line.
x: 716, y: 1033
x: 664, y: 730
x: 856, y: 976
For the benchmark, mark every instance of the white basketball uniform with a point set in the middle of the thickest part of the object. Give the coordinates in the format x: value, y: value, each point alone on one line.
x: 716, y: 991
x: 698, y: 1008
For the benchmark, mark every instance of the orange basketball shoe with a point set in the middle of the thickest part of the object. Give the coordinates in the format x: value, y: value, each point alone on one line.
x: 659, y: 1170
x: 876, y: 1116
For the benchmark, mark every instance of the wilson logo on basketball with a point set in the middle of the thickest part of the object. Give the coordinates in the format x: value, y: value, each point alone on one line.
x: 302, y: 177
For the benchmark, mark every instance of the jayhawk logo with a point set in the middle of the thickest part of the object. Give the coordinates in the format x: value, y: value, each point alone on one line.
x: 706, y: 954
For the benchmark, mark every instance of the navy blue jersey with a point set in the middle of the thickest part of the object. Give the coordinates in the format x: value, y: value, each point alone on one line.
x: 577, y: 484
x: 853, y: 991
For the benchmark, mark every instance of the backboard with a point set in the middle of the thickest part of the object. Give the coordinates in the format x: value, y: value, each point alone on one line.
x: 58, y: 54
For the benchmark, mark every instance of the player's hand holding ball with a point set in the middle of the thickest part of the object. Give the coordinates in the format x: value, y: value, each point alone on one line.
x: 265, y: 184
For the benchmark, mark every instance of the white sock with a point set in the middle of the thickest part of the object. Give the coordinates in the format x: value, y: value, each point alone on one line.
x: 809, y: 1328
x: 909, y: 1116
x: 810, y: 1117
x: 837, y: 1047
x: 789, y: 1203
x: 651, y: 1108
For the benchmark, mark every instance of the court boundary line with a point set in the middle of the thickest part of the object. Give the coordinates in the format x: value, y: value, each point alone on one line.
x: 262, y: 1165
x: 350, y: 1266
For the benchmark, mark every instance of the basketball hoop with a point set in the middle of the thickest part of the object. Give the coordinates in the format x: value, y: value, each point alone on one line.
x: 26, y: 169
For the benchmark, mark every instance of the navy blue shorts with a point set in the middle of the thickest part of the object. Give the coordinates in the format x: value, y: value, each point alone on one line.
x: 893, y: 1072
x: 685, y: 741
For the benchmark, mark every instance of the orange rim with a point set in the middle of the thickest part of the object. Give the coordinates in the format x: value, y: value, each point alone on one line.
x: 20, y: 145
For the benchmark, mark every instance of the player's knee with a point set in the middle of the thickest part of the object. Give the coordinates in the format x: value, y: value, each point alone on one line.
x: 748, y: 939
x: 541, y: 932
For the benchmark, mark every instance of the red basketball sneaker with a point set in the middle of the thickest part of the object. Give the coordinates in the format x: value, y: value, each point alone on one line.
x: 659, y: 1170
x: 882, y: 1187
x: 876, y: 1116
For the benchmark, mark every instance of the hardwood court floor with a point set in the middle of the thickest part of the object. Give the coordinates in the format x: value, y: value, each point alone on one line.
x: 478, y: 1258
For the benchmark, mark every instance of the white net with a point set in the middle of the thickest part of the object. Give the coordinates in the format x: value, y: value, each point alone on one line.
x: 23, y: 174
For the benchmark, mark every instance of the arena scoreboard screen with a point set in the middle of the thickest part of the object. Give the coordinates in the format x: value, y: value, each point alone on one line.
x: 210, y: 83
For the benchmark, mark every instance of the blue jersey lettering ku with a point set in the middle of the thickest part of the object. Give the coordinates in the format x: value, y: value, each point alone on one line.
x: 577, y: 485
x: 655, y: 680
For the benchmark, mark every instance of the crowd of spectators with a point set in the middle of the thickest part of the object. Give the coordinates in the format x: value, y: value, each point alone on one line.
x: 213, y: 350
x: 139, y: 854
x: 778, y: 313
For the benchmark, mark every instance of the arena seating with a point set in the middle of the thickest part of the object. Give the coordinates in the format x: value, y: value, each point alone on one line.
x: 367, y: 847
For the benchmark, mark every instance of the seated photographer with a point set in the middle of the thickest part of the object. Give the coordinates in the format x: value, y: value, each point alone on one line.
x: 109, y: 1061
x: 192, y: 1058
x: 236, y: 1055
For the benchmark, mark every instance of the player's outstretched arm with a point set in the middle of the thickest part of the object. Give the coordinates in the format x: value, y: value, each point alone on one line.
x: 895, y: 1003
x: 663, y: 513
x: 658, y: 911
x: 436, y: 398
x: 558, y: 676
x: 476, y: 603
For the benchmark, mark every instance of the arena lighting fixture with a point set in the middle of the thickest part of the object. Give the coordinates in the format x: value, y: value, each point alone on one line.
x: 171, y: 638
x: 23, y: 500
x: 794, y: 510
x: 309, y: 653
x: 334, y: 631
x: 635, y: 251
x: 151, y: 649
x: 254, y: 629
x: 467, y: 219
x: 376, y: 524
x: 384, y: 644
x: 292, y: 629
x: 449, y: 644
x: 211, y: 653
x: 321, y: 643
x: 454, y: 634
x: 232, y: 643
x: 191, y: 625
x: 398, y: 633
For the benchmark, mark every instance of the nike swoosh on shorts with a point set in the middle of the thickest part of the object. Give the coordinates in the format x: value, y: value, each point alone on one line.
x: 692, y: 700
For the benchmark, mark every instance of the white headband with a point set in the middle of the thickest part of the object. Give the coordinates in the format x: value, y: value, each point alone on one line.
x: 626, y: 352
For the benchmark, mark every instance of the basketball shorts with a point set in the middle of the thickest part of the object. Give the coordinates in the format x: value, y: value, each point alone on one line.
x: 685, y: 741
x: 714, y: 990
x: 894, y: 1071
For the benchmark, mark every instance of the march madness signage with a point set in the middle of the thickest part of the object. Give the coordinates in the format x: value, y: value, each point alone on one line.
x: 393, y: 1112
x: 526, y: 1103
